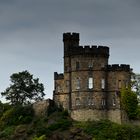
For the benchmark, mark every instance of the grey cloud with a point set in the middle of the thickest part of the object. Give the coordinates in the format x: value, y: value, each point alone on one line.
x: 31, y: 32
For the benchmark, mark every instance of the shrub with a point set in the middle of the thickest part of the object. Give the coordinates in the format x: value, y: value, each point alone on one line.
x: 7, y: 132
x: 18, y: 115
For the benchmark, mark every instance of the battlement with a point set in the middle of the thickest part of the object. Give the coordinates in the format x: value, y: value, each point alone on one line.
x: 70, y: 36
x: 88, y: 50
x: 117, y: 67
x: 58, y: 76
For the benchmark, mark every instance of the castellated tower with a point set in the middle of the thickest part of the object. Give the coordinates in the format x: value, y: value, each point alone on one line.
x: 89, y: 88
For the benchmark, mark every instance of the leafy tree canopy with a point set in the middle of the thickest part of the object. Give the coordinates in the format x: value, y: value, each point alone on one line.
x: 129, y: 102
x: 24, y: 89
x: 135, y: 82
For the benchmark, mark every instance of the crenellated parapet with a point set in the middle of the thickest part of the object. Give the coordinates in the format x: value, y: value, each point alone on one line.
x: 58, y: 76
x: 71, y: 47
x: 88, y: 50
x: 117, y: 67
x: 70, y: 36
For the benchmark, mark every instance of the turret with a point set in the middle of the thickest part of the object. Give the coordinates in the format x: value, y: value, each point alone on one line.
x: 70, y: 40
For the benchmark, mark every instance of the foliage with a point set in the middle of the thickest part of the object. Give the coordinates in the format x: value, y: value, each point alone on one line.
x: 129, y: 102
x: 106, y: 130
x: 7, y: 132
x: 135, y: 82
x: 18, y: 115
x: 24, y: 89
x: 43, y: 137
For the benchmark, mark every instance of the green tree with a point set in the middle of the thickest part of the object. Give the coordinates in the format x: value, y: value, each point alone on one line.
x: 24, y: 89
x: 129, y: 102
x: 135, y: 83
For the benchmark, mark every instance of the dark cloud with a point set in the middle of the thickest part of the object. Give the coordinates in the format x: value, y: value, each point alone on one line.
x: 31, y: 33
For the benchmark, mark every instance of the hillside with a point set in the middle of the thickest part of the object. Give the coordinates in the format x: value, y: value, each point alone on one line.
x: 20, y: 123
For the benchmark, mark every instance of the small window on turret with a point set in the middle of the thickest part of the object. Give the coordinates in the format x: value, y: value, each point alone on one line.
x: 59, y: 89
x: 77, y: 65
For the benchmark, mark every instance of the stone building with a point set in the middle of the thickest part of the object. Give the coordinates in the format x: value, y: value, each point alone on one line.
x: 89, y: 88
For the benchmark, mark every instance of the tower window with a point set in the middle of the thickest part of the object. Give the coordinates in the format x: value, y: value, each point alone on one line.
x: 77, y: 83
x: 77, y: 65
x: 90, y: 82
x: 59, y: 89
x: 103, y: 83
x: 77, y: 102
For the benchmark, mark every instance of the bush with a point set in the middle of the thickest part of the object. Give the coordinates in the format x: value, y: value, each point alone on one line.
x: 18, y: 115
x: 43, y: 137
x: 7, y: 132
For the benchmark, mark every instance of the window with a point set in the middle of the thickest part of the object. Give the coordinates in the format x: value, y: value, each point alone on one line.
x: 77, y: 65
x: 91, y: 101
x: 103, y: 102
x: 78, y: 83
x: 113, y: 101
x: 77, y: 102
x: 119, y: 84
x: 90, y: 64
x: 103, y: 83
x: 90, y: 82
x: 59, y: 88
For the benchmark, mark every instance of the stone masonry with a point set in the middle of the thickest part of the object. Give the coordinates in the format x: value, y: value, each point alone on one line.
x: 89, y: 88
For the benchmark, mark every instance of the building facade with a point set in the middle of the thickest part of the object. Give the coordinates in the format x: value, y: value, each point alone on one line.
x: 90, y: 88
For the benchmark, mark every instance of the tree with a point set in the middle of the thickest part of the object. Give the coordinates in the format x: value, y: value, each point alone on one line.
x: 24, y: 89
x: 129, y: 102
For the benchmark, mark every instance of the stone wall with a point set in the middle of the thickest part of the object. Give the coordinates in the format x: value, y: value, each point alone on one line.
x: 40, y: 108
x: 88, y: 114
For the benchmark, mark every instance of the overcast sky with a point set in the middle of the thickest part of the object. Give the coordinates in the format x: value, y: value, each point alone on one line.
x: 31, y: 34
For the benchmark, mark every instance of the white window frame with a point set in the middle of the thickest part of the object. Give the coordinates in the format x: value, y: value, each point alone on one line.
x: 90, y: 83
